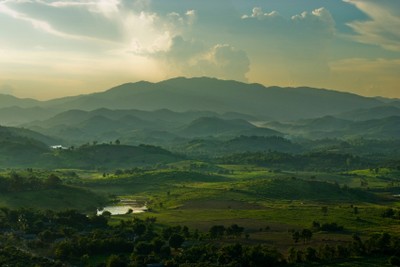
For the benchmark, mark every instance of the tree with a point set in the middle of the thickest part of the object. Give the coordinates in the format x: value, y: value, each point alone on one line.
x: 355, y: 210
x: 217, y: 231
x: 185, y: 231
x: 143, y: 248
x: 116, y: 261
x: 296, y: 236
x: 176, y: 241
x: 326, y: 252
x: 316, y: 225
x: 306, y: 235
x: 139, y: 228
x: 388, y: 213
x: 106, y: 214
x: 324, y: 210
x: 53, y: 180
x: 311, y: 254
x: 46, y: 236
x: 394, y: 260
x: 234, y: 230
x: 16, y: 182
x: 157, y: 243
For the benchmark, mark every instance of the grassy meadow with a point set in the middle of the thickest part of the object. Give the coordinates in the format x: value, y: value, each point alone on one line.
x: 269, y: 204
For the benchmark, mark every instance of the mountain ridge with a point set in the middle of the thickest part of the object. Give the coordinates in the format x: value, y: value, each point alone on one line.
x: 222, y: 96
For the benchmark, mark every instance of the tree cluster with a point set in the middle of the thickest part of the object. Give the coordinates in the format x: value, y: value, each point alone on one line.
x: 74, y: 239
x: 377, y: 245
x: 17, y: 183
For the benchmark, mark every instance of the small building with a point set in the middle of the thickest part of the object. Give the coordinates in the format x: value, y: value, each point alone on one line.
x: 58, y: 147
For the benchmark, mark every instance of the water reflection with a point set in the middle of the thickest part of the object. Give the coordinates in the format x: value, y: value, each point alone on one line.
x: 125, y: 206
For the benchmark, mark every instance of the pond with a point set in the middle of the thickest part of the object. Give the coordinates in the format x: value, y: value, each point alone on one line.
x: 124, y: 206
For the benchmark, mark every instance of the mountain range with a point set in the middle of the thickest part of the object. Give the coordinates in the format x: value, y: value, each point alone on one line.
x: 178, y: 110
x: 202, y: 94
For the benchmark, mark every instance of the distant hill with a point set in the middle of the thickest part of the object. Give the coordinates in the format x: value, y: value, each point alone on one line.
x: 142, y: 118
x: 24, y: 135
x: 18, y: 148
x: 208, y: 94
x: 212, y: 126
x: 108, y: 156
x: 330, y: 127
x: 385, y: 128
x: 311, y: 128
x: 13, y: 116
x: 326, y: 123
x: 370, y: 113
x: 134, y: 126
x: 21, y: 148
x: 213, y: 147
x: 12, y: 101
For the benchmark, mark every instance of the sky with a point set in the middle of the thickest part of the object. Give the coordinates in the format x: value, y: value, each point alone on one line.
x: 56, y: 48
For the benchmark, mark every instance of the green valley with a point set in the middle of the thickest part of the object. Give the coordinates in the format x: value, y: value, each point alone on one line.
x: 101, y: 186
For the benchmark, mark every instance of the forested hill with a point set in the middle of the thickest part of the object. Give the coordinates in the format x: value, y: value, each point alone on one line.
x: 20, y: 149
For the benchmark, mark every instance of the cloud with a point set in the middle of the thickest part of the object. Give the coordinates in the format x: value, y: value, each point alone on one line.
x: 128, y: 26
x: 319, y: 20
x: 194, y: 58
x: 150, y: 33
x: 315, y: 22
x: 260, y: 15
x: 383, y: 26
x: 175, y: 19
x: 182, y: 52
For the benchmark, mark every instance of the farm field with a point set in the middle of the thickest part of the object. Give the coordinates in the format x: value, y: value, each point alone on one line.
x: 269, y: 206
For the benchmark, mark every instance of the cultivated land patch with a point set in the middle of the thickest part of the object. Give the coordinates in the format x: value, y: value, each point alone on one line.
x: 220, y: 204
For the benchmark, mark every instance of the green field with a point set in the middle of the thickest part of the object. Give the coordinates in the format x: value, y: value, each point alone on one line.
x: 269, y: 205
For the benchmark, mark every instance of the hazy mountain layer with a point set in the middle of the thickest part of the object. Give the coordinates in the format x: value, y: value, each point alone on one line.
x: 182, y: 94
x: 136, y: 127
x: 371, y: 113
x: 212, y: 95
x: 331, y: 127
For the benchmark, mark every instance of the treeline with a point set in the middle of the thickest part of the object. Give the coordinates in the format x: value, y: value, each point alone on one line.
x: 27, y: 221
x: 11, y: 256
x: 158, y: 176
x: 321, y: 161
x: 72, y: 238
x: 16, y: 182
x: 384, y: 245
